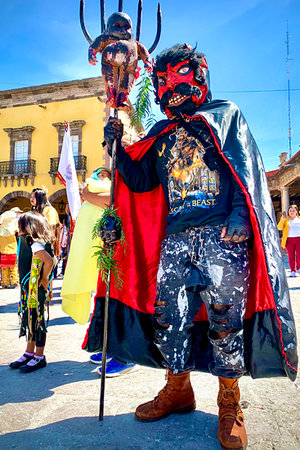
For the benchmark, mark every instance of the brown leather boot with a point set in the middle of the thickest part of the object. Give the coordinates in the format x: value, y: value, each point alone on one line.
x: 232, y: 432
x: 176, y: 397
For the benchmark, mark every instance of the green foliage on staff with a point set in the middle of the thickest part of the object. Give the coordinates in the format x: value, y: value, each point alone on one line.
x: 106, y: 256
x: 142, y: 105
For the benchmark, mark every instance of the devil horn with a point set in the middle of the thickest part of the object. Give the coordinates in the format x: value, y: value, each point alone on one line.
x: 157, y: 37
x: 120, y: 5
x: 139, y: 20
x: 84, y: 30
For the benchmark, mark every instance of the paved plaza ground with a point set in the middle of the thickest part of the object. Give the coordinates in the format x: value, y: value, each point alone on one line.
x: 57, y: 407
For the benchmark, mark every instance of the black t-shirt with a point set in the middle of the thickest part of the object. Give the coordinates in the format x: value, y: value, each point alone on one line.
x: 197, y: 183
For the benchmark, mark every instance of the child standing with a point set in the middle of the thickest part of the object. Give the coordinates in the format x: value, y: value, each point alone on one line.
x: 35, y: 261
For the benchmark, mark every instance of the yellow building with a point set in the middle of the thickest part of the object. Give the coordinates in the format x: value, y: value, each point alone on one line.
x: 32, y: 123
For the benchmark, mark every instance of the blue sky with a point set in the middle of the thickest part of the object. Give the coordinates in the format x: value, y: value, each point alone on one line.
x: 244, y: 42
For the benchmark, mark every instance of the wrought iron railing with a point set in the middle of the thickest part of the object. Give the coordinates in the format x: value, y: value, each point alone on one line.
x: 19, y: 167
x: 80, y: 163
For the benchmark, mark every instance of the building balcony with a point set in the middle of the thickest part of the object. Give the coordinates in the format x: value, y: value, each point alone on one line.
x: 80, y: 166
x: 11, y: 171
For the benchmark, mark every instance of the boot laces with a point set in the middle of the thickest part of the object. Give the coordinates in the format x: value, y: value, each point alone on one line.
x: 228, y: 400
x: 229, y: 395
x: 163, y: 396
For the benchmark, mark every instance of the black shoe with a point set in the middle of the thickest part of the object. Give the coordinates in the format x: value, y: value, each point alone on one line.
x: 18, y: 364
x: 39, y: 365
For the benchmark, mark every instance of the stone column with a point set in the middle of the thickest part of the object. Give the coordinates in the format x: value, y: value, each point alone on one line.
x: 285, y: 199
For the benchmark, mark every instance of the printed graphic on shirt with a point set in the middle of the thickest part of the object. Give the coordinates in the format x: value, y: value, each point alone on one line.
x: 190, y: 182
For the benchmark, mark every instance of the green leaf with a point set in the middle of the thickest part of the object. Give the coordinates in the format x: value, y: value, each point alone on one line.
x: 143, y: 106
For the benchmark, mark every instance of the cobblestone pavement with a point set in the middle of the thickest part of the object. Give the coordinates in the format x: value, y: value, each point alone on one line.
x: 58, y: 407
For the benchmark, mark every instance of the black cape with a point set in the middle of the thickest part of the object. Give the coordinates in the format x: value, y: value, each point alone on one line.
x: 269, y: 328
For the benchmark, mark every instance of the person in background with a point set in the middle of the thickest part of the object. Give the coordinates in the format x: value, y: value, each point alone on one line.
x: 64, y: 247
x: 41, y: 204
x: 63, y: 241
x: 36, y: 261
x: 70, y: 223
x: 82, y: 270
x: 290, y: 227
x: 8, y: 249
x: 115, y: 367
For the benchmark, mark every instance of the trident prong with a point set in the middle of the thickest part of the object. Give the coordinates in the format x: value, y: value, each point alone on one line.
x: 81, y: 15
x: 139, y: 22
x: 158, y: 32
x: 102, y: 11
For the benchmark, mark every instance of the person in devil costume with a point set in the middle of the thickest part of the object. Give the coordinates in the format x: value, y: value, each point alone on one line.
x: 204, y: 229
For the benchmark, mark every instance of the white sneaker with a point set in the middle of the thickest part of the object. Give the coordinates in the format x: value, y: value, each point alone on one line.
x: 292, y: 274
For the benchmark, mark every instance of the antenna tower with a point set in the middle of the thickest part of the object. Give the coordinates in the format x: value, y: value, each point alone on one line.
x: 289, y: 89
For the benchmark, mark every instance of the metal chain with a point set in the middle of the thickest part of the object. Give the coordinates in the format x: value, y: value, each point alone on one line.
x: 193, y: 245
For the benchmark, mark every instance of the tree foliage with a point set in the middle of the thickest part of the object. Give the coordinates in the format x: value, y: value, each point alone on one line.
x: 142, y: 105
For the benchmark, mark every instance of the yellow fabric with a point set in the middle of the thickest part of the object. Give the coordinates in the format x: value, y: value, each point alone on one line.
x: 14, y: 274
x: 5, y: 276
x: 51, y: 215
x: 8, y: 245
x: 81, y: 272
x: 9, y: 275
x: 283, y: 226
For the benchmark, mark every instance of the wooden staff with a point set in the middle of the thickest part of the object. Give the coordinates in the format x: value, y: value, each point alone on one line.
x: 107, y: 291
x: 114, y: 152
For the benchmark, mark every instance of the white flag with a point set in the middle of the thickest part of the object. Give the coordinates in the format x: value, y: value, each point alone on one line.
x: 67, y: 174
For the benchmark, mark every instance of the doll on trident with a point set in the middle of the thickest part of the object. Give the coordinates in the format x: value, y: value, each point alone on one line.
x: 120, y: 56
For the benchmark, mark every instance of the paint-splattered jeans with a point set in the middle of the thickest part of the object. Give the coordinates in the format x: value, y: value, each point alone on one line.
x: 196, y: 266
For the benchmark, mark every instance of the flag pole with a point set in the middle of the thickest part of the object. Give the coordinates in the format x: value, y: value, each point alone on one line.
x: 108, y: 281
x: 66, y: 173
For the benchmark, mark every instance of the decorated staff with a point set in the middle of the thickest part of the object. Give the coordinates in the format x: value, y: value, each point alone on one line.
x: 120, y: 55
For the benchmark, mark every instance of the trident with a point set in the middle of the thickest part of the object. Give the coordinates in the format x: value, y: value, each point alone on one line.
x: 120, y: 9
x: 113, y: 168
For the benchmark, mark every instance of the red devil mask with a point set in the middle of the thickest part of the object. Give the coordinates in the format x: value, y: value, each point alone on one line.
x: 183, y: 86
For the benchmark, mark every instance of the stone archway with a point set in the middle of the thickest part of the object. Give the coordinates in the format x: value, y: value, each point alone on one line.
x: 56, y: 195
x: 59, y: 201
x: 15, y: 198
